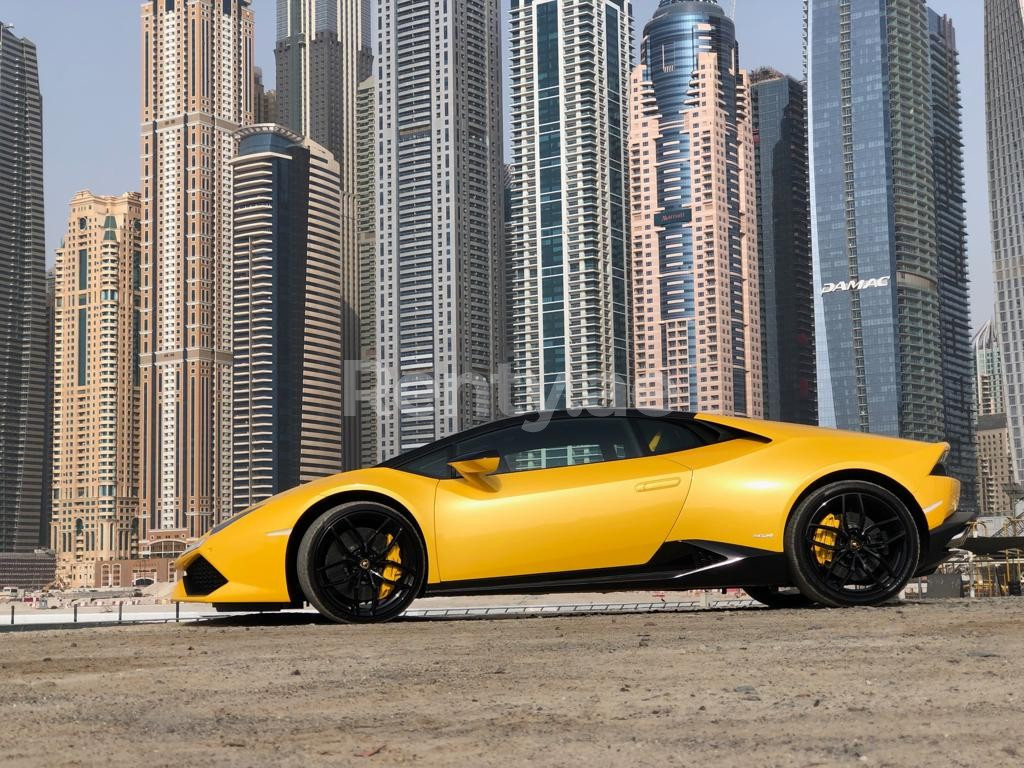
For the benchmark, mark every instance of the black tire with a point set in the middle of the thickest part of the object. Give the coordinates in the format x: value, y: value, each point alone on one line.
x: 361, y: 562
x: 779, y: 597
x: 852, y: 543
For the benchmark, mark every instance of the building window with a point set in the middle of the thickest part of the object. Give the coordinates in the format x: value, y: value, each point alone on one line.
x: 83, y: 320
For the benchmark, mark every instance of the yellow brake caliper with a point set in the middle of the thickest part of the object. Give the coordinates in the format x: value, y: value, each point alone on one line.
x: 827, y: 539
x: 391, y: 573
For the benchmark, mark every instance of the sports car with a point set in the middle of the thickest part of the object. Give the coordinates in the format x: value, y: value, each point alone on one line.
x: 589, y: 501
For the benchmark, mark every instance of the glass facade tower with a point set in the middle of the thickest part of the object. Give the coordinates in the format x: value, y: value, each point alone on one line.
x: 784, y: 247
x: 568, y: 228
x: 889, y: 224
x: 23, y: 321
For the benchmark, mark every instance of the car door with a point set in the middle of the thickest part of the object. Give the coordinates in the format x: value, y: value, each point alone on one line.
x: 577, y: 494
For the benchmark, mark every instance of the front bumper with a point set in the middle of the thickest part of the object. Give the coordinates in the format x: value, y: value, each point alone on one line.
x: 234, y: 566
x: 943, y: 540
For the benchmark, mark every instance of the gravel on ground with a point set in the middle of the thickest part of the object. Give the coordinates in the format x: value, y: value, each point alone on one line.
x: 930, y: 684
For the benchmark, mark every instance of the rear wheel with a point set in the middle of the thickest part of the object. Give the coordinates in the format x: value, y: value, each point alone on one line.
x: 779, y: 597
x: 361, y: 562
x: 852, y: 543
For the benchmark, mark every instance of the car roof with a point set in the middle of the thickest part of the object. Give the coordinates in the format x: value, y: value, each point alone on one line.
x: 513, y: 421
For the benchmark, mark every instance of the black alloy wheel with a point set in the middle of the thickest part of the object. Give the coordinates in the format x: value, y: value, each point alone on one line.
x: 852, y: 543
x: 361, y: 562
x: 779, y: 597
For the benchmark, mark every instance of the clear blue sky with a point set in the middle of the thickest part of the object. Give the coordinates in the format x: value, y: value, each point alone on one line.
x: 89, y: 63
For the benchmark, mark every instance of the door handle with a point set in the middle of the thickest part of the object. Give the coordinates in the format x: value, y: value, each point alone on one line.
x: 658, y: 485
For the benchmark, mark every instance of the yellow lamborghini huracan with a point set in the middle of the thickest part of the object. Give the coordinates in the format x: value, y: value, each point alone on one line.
x: 554, y: 502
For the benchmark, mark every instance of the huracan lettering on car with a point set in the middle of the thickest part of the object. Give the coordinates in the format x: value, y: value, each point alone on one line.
x: 856, y: 285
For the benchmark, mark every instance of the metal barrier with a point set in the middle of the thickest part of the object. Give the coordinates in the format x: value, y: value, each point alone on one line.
x: 38, y: 620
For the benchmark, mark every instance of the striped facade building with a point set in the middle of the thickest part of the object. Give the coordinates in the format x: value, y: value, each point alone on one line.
x: 1004, y: 114
x: 439, y: 235
x: 197, y: 62
x: 366, y: 227
x: 287, y: 318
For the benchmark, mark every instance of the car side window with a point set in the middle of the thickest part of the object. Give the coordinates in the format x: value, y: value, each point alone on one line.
x: 558, y: 443
x: 659, y: 436
x: 434, y: 464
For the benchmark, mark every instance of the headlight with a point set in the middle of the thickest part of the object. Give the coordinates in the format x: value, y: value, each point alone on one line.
x: 225, y: 523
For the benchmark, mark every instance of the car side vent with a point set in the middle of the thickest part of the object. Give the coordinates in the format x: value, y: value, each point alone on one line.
x: 702, y: 558
x: 201, y: 578
x: 684, y: 556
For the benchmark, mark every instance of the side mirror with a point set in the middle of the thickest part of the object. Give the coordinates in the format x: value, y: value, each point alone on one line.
x: 476, y: 464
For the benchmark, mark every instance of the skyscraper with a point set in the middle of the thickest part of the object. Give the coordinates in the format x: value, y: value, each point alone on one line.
x: 1004, y: 84
x: 696, y: 315
x: 366, y: 226
x: 264, y: 101
x: 956, y: 361
x: 988, y: 371
x: 323, y: 54
x: 439, y: 276
x: 995, y: 464
x: 287, y: 314
x: 46, y: 513
x: 995, y: 467
x: 889, y: 229
x: 22, y: 295
x: 784, y: 247
x: 96, y: 386
x: 569, y: 234
x: 197, y: 91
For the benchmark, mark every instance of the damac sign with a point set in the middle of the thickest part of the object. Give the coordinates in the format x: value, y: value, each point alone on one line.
x: 856, y: 285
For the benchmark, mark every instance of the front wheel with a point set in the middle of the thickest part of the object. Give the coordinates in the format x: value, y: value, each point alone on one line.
x: 361, y: 562
x: 779, y: 597
x: 852, y: 543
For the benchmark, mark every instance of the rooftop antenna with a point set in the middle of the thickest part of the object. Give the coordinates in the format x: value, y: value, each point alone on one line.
x: 733, y: 16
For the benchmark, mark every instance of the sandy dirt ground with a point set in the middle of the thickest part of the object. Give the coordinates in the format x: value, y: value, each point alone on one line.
x: 916, y: 684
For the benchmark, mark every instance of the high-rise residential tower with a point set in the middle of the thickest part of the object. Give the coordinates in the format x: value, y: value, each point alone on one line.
x: 696, y: 308
x: 784, y: 247
x: 439, y: 272
x: 366, y: 227
x: 96, y: 386
x: 46, y: 513
x: 287, y: 314
x: 323, y: 54
x: 22, y: 295
x: 1004, y: 84
x: 889, y: 224
x: 264, y: 101
x: 569, y: 230
x: 995, y: 464
x: 197, y: 92
x: 954, y: 330
x: 988, y: 371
